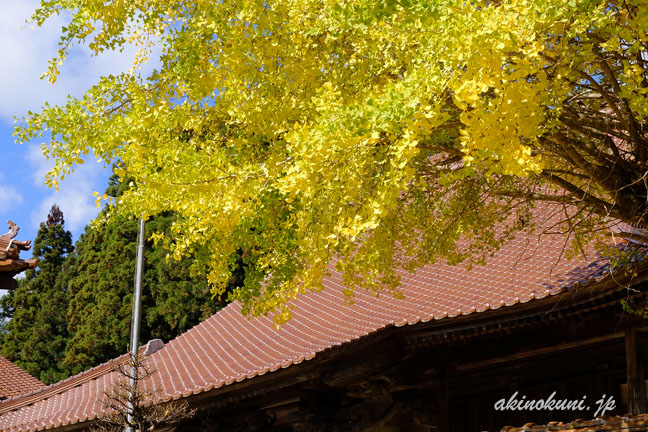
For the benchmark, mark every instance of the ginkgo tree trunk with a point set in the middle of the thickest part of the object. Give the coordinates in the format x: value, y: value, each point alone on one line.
x: 373, y: 133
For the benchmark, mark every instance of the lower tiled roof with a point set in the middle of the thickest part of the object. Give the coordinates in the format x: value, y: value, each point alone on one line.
x: 627, y: 423
x: 15, y: 381
x: 228, y: 348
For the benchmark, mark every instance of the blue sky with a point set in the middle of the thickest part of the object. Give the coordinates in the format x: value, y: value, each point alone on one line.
x: 24, y: 198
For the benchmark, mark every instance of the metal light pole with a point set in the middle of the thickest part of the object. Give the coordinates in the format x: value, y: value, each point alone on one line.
x: 135, y: 322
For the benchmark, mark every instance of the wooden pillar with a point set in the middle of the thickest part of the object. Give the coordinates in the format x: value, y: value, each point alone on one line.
x: 636, y: 380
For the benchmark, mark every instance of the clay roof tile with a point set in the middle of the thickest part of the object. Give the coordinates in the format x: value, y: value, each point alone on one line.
x: 14, y: 381
x: 228, y: 347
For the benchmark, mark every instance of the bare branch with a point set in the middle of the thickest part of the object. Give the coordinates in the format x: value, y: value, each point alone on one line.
x: 603, y: 208
x: 629, y: 119
x: 147, y: 414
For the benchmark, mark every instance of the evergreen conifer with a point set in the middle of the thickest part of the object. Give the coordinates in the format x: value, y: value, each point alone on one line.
x: 100, y: 275
x: 37, y: 332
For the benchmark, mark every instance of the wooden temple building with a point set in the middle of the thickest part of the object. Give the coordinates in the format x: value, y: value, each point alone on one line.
x: 530, y: 324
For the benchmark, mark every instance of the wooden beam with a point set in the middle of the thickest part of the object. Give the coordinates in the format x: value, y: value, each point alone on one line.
x: 496, y: 321
x: 533, y: 353
x: 636, y: 385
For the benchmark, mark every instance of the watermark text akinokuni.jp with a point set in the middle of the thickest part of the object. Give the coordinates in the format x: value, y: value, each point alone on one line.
x: 515, y: 403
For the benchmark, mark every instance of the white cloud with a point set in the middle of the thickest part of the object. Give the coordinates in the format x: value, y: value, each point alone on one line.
x: 74, y: 197
x: 9, y: 197
x: 24, y: 54
x: 39, y: 164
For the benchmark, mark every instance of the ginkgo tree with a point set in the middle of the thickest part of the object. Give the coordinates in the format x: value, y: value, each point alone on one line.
x: 375, y: 134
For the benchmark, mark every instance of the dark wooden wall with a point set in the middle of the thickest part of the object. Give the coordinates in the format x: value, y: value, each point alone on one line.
x: 412, y: 379
x: 590, y: 372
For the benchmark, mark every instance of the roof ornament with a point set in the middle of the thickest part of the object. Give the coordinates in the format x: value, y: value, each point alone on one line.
x: 10, y: 262
x: 10, y: 248
x: 153, y: 345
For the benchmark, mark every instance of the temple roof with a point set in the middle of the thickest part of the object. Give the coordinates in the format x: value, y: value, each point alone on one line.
x: 229, y: 348
x: 15, y: 381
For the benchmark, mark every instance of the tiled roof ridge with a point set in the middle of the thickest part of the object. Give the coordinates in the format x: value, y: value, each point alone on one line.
x: 47, y: 391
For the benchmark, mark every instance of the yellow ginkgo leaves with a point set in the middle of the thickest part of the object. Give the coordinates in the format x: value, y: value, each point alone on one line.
x: 375, y: 134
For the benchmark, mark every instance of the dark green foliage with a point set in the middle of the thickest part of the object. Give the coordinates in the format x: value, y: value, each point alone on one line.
x: 6, y: 312
x: 74, y: 311
x: 6, y: 305
x: 100, y: 276
x: 36, y: 336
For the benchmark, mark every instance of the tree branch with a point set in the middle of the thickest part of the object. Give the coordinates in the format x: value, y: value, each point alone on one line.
x: 602, y: 208
x: 629, y: 119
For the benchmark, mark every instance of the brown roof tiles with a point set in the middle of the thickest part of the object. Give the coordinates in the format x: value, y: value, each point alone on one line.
x: 636, y: 423
x: 229, y: 348
x: 14, y: 381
